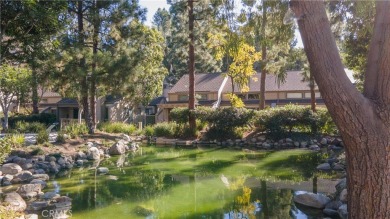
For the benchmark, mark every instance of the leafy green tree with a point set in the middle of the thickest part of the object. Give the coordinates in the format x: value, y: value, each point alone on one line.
x: 263, y: 27
x: 14, y: 83
x: 352, y: 23
x: 108, y: 50
x: 176, y: 38
x: 31, y: 42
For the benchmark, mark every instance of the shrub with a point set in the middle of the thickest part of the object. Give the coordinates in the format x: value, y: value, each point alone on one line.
x: 60, y: 137
x: 225, y: 122
x: 5, y: 148
x: 117, y: 127
x: 282, y: 120
x: 26, y: 127
x: 45, y: 118
x: 165, y: 129
x: 15, y: 140
x: 74, y: 130
x: 179, y: 115
x: 42, y: 137
x: 37, y: 151
x: 149, y: 131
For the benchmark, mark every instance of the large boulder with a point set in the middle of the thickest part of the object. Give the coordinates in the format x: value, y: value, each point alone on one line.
x: 6, y: 181
x: 118, y: 148
x: 22, y: 177
x: 50, y: 195
x: 43, y: 176
x: 324, y: 167
x: 11, y: 168
x: 344, y: 196
x: 125, y: 138
x: 93, y: 153
x: 37, y: 206
x: 15, y: 202
x: 29, y: 190
x: 343, y: 211
x: 38, y: 181
x: 312, y: 200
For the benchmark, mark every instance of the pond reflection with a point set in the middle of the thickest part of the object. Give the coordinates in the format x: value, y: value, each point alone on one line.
x: 211, y: 183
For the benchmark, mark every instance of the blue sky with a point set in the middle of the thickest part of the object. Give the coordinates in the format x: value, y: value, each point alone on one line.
x: 152, y: 6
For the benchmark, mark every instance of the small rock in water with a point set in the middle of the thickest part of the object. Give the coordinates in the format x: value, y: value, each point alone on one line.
x: 312, y: 200
x: 103, y: 170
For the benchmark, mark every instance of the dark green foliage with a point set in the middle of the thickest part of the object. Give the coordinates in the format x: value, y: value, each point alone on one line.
x: 45, y: 118
x: 43, y: 137
x: 180, y: 115
x: 75, y: 130
x: 37, y: 151
x: 280, y: 121
x: 5, y: 148
x: 29, y: 127
x: 225, y: 123
x: 60, y: 138
x: 165, y: 129
x: 117, y: 127
x: 149, y: 131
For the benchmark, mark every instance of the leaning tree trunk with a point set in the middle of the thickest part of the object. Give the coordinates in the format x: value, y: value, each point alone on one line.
x: 191, y: 66
x: 363, y: 120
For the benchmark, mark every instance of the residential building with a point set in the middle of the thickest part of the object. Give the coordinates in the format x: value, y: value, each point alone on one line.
x: 212, y: 90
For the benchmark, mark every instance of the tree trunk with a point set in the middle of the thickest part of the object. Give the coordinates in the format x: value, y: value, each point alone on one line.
x: 263, y: 58
x: 34, y: 87
x: 92, y: 100
x: 5, y: 123
x: 84, y: 79
x: 191, y: 66
x: 363, y: 122
x: 312, y: 92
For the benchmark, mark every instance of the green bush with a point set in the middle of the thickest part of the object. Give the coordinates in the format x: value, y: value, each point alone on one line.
x: 42, y: 137
x: 45, y: 118
x: 117, y: 127
x: 165, y: 129
x: 29, y: 127
x: 149, y: 131
x: 37, y: 151
x: 15, y: 140
x: 179, y: 115
x: 5, y: 148
x: 60, y: 137
x: 280, y: 121
x: 75, y: 130
x: 225, y: 122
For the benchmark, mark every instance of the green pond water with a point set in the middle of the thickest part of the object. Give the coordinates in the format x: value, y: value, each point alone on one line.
x: 194, y: 183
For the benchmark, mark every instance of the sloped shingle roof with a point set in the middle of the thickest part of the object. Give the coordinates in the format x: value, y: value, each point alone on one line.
x: 293, y: 83
x: 203, y: 82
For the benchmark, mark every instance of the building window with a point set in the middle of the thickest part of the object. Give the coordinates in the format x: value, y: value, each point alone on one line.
x: 253, y: 96
x: 241, y: 96
x: 202, y: 97
x: 294, y: 95
x: 317, y: 94
x: 183, y: 97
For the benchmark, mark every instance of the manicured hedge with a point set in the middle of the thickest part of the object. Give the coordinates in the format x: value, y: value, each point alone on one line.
x: 279, y: 121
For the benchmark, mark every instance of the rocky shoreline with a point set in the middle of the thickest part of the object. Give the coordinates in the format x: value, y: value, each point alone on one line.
x: 23, y: 178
